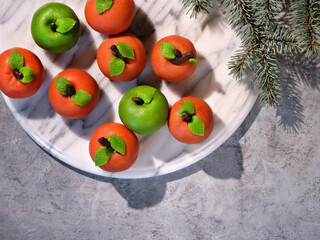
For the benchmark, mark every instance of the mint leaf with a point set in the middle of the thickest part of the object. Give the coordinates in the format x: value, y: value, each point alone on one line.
x: 102, y: 155
x: 126, y: 50
x: 186, y: 107
x: 81, y: 97
x: 28, y: 74
x: 167, y: 50
x: 117, y: 144
x: 61, y: 85
x: 65, y: 24
x: 147, y: 94
x: 103, y: 5
x: 194, y: 61
x: 196, y: 126
x: 16, y: 60
x: 116, y: 66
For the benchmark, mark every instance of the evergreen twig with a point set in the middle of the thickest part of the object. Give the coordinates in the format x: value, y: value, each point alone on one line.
x: 281, y: 40
x: 266, y: 11
x: 257, y: 49
x: 263, y: 39
x: 305, y: 25
x: 240, y: 15
x: 242, y: 61
x: 197, y: 6
x: 267, y: 78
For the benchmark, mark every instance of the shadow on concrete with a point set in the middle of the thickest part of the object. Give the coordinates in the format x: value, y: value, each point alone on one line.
x: 224, y: 163
x: 295, y: 72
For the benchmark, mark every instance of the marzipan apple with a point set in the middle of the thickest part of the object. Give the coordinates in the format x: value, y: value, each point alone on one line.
x: 143, y: 109
x: 55, y: 27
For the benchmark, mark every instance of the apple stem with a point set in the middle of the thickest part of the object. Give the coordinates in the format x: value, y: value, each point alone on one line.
x: 53, y: 26
x: 187, y: 117
x: 70, y: 90
x: 17, y: 74
x: 177, y: 53
x: 181, y: 58
x: 117, y: 52
x: 137, y: 100
x: 104, y: 142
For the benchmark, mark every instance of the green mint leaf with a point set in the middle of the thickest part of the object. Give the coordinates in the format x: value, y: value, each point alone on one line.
x: 116, y: 66
x: 167, y: 50
x: 113, y: 52
x: 61, y: 85
x: 147, y: 94
x: 196, y: 126
x: 81, y: 97
x: 186, y: 107
x: 117, y: 144
x: 103, y: 5
x: 194, y: 61
x: 64, y: 25
x: 126, y: 50
x: 16, y: 60
x: 102, y: 155
x: 28, y: 74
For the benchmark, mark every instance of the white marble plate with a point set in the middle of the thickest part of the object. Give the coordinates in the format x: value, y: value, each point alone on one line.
x: 67, y: 140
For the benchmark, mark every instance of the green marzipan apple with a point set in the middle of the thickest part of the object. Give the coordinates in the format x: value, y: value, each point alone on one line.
x: 144, y: 118
x: 49, y: 39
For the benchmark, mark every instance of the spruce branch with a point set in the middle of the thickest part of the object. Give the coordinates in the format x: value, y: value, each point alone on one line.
x: 281, y: 40
x: 239, y: 13
x: 305, y: 21
x: 267, y: 11
x: 242, y: 61
x: 197, y: 6
x: 257, y: 24
x: 255, y: 52
x: 267, y: 78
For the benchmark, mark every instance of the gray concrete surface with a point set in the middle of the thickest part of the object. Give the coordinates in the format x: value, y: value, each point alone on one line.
x: 263, y: 183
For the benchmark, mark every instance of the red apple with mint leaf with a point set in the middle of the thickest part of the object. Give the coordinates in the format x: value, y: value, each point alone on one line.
x: 21, y: 73
x: 73, y: 93
x: 191, y: 120
x: 110, y: 16
x: 113, y: 147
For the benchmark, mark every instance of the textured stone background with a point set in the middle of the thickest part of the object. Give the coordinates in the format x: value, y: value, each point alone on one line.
x: 263, y: 183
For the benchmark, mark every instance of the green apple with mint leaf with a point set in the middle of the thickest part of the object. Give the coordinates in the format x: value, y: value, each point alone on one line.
x: 55, y: 27
x: 144, y: 109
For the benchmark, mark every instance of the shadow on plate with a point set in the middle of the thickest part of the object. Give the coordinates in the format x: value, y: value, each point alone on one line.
x: 86, y: 51
x: 100, y: 115
x: 143, y: 28
x: 201, y: 83
x: 148, y: 77
x: 82, y: 55
x: 38, y: 105
x: 215, y: 20
x: 170, y: 155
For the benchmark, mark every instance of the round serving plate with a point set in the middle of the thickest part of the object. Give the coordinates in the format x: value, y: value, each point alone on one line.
x: 68, y: 140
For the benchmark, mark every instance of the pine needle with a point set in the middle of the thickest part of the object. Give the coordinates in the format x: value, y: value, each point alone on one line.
x: 197, y: 6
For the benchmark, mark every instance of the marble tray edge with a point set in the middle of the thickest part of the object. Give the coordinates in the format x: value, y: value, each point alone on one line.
x: 146, y: 174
